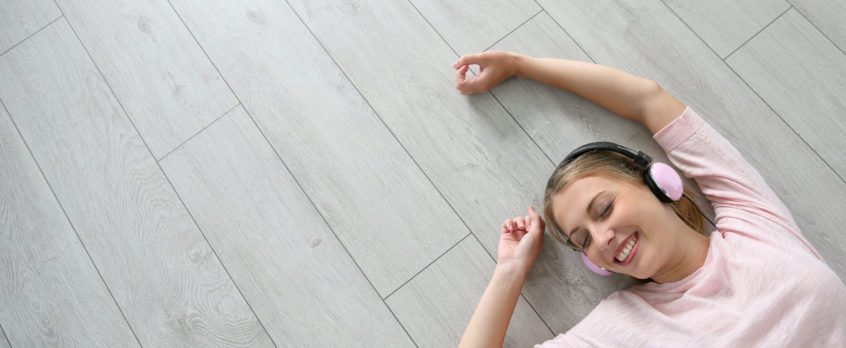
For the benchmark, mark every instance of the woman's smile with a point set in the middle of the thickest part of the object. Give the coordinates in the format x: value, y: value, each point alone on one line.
x: 625, y: 253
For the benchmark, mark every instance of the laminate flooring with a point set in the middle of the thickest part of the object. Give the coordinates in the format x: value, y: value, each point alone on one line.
x: 303, y: 172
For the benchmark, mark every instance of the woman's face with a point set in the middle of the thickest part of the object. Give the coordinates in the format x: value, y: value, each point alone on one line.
x: 619, y: 210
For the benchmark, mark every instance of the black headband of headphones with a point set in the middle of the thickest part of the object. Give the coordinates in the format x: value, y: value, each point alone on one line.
x: 641, y: 159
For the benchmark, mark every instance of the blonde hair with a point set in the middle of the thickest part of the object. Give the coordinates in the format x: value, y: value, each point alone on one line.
x: 611, y: 165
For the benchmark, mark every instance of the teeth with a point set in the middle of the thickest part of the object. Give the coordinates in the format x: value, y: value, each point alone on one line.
x: 625, y: 253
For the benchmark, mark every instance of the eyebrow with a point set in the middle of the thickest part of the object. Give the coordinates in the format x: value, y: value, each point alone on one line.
x: 587, y: 210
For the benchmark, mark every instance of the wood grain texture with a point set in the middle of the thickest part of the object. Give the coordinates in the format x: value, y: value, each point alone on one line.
x: 727, y: 24
x: 828, y: 16
x: 438, y: 303
x: 270, y: 237
x: 474, y: 152
x: 19, y: 19
x: 803, y: 77
x: 474, y: 25
x: 384, y: 210
x: 559, y: 122
x: 646, y: 39
x: 167, y: 85
x: 47, y: 281
x: 151, y: 255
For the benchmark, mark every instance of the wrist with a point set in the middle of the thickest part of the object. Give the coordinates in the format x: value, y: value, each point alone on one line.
x: 519, y: 64
x: 512, y: 270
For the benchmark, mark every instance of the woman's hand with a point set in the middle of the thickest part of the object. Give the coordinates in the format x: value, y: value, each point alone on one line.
x: 520, y: 241
x: 494, y: 67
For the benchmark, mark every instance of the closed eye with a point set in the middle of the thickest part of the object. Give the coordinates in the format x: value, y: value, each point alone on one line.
x: 607, y: 209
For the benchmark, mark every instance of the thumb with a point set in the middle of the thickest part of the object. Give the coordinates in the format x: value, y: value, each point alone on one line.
x: 536, y: 220
x: 468, y: 59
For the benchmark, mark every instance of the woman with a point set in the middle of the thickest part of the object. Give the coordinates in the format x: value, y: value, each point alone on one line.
x: 755, y: 281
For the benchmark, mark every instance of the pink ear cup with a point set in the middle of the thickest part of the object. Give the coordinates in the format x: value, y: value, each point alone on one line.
x: 593, y: 267
x: 667, y: 179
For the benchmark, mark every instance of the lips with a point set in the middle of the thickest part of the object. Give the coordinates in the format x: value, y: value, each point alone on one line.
x: 622, y: 246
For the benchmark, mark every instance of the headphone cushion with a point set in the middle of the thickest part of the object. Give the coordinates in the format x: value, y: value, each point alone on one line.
x: 594, y: 268
x: 666, y: 179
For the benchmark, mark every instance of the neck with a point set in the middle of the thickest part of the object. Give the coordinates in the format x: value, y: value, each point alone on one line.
x: 690, y: 256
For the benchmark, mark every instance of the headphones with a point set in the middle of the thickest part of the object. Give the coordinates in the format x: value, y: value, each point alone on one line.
x: 661, y: 179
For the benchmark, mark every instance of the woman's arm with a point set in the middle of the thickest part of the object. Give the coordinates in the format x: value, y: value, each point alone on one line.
x: 627, y: 95
x: 489, y: 323
x: 520, y: 243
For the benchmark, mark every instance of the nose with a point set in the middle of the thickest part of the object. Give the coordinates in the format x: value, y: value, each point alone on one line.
x: 604, y: 237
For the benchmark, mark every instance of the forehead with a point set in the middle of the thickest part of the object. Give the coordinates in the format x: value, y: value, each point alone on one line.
x: 570, y: 204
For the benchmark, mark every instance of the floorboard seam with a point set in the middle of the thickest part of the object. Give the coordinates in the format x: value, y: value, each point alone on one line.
x: 750, y: 38
x: 198, y: 132
x: 524, y: 131
x: 81, y: 243
x: 31, y: 35
x: 513, y: 30
x: 761, y: 98
x: 126, y: 114
x: 285, y: 164
x: 3, y: 332
x: 427, y: 266
x: 568, y: 34
x: 841, y: 49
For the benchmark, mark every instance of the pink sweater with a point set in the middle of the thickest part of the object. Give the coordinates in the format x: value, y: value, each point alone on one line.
x: 762, y: 284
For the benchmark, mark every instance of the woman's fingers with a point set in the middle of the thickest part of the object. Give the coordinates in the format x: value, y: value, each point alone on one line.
x: 468, y: 59
x: 471, y: 85
x: 460, y: 75
x: 463, y: 84
x: 515, y: 224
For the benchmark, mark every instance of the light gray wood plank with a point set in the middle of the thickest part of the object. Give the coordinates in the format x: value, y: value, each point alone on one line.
x: 159, y: 268
x: 437, y: 304
x: 167, y: 85
x: 47, y: 281
x: 383, y: 208
x: 828, y: 16
x: 559, y: 122
x: 4, y: 343
x: 470, y: 26
x: 19, y: 19
x: 474, y: 152
x: 646, y: 39
x: 803, y: 77
x: 727, y: 24
x: 270, y: 237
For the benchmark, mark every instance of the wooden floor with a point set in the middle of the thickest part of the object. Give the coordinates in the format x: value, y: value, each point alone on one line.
x: 303, y: 173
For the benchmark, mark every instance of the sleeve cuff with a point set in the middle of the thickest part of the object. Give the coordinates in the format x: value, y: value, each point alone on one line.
x: 679, y: 130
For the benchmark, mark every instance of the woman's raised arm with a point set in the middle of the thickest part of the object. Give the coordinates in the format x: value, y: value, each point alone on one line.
x: 520, y: 243
x: 624, y: 94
